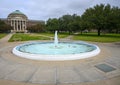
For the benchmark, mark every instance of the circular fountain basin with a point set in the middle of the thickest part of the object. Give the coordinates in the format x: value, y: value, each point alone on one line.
x: 51, y: 52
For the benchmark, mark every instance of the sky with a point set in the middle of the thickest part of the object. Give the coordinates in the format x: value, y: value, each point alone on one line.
x: 45, y: 9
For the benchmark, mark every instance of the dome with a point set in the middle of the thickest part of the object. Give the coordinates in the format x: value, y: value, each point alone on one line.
x: 17, y: 14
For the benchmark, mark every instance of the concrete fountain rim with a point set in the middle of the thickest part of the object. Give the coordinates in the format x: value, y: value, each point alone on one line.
x: 56, y: 57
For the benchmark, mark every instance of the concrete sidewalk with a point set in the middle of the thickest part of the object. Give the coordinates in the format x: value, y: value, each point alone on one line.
x: 6, y: 38
x: 19, y: 71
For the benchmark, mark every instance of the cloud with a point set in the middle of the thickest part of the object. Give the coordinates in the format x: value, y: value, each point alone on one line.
x: 111, y: 2
x: 44, y: 9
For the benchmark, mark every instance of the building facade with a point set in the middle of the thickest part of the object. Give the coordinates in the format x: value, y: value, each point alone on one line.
x: 20, y: 21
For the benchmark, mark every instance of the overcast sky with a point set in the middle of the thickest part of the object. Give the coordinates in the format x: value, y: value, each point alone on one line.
x: 44, y: 9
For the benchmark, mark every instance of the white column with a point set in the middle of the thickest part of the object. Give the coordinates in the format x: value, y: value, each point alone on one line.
x: 14, y: 25
x: 25, y: 25
x: 17, y: 24
x: 20, y: 24
x: 11, y: 22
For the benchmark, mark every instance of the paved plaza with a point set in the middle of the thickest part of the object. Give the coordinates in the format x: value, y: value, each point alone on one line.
x: 103, y: 69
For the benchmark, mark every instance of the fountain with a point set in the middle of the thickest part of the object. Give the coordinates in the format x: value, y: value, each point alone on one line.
x: 61, y: 51
x: 56, y: 39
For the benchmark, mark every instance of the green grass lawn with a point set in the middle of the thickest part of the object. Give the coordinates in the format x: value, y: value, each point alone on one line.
x: 48, y: 36
x: 2, y: 35
x: 60, y: 35
x: 93, y: 37
x: 35, y: 36
x: 26, y: 37
x: 63, y: 35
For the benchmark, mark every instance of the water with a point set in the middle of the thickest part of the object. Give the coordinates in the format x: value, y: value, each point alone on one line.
x: 56, y: 39
x: 51, y: 49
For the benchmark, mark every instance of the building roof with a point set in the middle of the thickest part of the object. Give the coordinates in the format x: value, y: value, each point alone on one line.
x: 16, y: 12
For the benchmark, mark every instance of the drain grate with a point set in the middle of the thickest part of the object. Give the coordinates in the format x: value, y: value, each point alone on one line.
x: 105, y: 67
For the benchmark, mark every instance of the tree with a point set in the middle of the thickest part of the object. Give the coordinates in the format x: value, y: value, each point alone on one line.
x: 76, y: 23
x: 115, y: 19
x: 65, y: 23
x: 96, y: 17
x: 4, y: 27
x: 37, y: 28
x: 70, y: 23
x: 102, y: 18
x: 52, y: 24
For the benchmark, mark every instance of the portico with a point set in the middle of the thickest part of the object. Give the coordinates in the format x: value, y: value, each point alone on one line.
x: 18, y: 24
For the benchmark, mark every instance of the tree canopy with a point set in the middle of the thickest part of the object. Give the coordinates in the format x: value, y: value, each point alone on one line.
x: 4, y: 27
x: 102, y: 18
x: 37, y: 28
x: 66, y: 23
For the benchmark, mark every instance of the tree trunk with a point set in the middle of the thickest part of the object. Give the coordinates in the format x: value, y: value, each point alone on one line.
x: 81, y: 32
x: 117, y: 31
x: 99, y: 31
x: 69, y: 32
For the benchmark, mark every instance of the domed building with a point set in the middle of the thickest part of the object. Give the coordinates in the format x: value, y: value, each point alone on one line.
x: 18, y: 21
